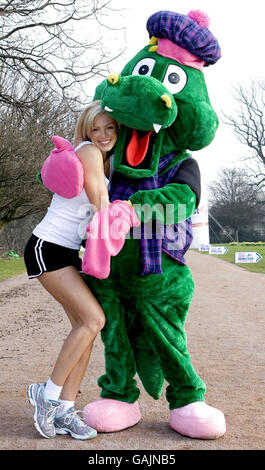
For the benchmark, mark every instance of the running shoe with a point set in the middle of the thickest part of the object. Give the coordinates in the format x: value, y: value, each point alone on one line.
x: 45, y: 410
x: 71, y: 423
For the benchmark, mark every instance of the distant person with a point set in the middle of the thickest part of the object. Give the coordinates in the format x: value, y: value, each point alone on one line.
x: 52, y: 256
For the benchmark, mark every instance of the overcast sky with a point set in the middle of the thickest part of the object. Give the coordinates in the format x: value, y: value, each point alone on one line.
x: 239, y: 27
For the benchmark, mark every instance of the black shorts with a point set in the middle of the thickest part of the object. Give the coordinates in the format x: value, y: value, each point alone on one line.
x: 41, y: 256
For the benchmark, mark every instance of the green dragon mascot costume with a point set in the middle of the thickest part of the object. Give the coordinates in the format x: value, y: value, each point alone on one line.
x: 161, y: 101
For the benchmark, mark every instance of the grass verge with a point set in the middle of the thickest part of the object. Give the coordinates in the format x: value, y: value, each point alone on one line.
x: 10, y: 267
x: 245, y: 247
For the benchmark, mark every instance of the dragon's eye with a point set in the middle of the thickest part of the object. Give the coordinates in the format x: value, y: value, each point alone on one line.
x: 144, y: 67
x: 175, y: 79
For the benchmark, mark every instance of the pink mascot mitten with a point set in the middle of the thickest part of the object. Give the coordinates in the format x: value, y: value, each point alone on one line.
x: 106, y: 237
x: 62, y: 172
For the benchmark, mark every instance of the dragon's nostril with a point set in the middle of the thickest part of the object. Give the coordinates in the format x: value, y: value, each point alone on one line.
x: 113, y: 78
x: 167, y: 100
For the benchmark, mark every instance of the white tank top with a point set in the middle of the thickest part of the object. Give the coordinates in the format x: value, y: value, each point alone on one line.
x: 66, y: 219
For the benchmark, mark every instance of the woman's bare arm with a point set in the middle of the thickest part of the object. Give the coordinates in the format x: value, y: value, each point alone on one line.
x: 94, y: 178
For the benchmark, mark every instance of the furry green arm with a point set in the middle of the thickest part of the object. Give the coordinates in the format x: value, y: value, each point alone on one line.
x: 171, y: 204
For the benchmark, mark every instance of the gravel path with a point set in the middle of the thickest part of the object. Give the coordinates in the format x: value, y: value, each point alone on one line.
x: 225, y: 331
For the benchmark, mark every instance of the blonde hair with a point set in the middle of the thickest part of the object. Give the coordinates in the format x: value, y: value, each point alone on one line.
x: 86, y: 120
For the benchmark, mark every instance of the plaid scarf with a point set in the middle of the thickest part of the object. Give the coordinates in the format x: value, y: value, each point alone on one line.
x: 174, y: 239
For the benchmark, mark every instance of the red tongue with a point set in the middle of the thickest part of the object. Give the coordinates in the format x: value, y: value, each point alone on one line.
x: 137, y: 148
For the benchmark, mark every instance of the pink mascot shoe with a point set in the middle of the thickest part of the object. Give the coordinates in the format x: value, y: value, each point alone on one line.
x: 198, y: 420
x: 108, y: 415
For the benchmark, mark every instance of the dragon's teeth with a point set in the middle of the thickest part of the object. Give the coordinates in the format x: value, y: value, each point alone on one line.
x: 157, y: 127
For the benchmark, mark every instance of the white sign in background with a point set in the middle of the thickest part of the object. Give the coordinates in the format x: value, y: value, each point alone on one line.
x: 218, y: 250
x: 247, y: 257
x: 204, y: 247
x: 200, y: 222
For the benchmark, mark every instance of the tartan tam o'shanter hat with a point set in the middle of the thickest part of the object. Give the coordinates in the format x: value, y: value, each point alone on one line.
x: 185, y: 38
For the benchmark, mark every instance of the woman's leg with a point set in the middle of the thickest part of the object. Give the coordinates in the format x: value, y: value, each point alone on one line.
x: 87, y: 317
x: 74, y: 379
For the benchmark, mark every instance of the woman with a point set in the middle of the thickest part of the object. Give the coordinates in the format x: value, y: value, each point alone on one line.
x: 52, y: 256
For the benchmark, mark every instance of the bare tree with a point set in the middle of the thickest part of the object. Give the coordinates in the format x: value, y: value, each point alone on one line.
x: 25, y: 141
x: 57, y: 40
x: 248, y: 122
x: 233, y: 202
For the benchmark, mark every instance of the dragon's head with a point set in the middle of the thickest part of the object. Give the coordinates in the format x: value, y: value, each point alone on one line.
x: 160, y: 97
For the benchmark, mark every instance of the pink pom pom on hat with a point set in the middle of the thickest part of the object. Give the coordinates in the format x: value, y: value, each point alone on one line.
x: 200, y: 17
